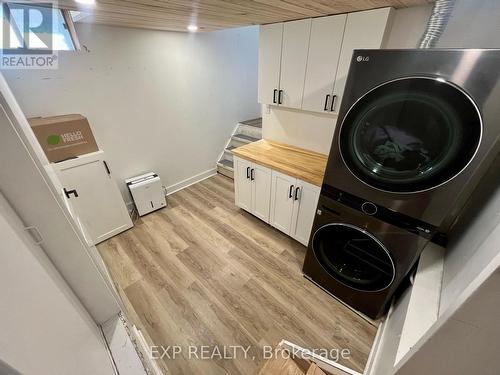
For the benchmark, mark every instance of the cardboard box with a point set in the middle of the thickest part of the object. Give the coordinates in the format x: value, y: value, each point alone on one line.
x: 64, y: 137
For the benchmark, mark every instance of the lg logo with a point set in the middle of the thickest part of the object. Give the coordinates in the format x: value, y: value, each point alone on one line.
x: 362, y: 58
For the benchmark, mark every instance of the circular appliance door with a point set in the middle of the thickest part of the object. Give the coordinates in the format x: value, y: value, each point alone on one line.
x: 410, y: 135
x: 353, y: 257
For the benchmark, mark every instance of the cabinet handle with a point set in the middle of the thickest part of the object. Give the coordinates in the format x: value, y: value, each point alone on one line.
x: 280, y: 97
x: 274, y: 95
x: 252, y: 174
x: 248, y: 173
x: 106, y: 167
x: 297, y: 193
x: 326, y: 102
x: 69, y: 192
x: 290, y: 191
x: 334, y: 101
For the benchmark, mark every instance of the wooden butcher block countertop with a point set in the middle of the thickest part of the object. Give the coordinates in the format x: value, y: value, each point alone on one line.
x: 306, y: 165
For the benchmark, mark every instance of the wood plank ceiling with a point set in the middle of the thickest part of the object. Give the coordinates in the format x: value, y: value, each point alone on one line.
x: 209, y: 15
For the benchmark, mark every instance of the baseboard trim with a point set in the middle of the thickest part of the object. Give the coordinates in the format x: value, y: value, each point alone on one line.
x: 191, y: 181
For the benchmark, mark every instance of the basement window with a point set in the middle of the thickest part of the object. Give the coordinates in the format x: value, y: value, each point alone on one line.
x: 37, y: 28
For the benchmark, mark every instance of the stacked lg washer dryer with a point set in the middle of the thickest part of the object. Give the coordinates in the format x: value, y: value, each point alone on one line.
x: 416, y: 131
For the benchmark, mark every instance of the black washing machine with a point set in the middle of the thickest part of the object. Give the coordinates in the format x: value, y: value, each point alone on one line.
x: 360, y: 252
x: 417, y: 129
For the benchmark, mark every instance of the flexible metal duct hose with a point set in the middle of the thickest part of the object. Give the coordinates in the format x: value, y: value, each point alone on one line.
x: 440, y: 16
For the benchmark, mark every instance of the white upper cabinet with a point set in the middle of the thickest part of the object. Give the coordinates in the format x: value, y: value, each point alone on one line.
x: 363, y: 30
x: 323, y: 58
x: 293, y: 62
x: 270, y: 37
x: 304, y: 64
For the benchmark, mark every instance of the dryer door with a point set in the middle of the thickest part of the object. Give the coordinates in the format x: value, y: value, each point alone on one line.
x: 410, y: 134
x: 354, y: 257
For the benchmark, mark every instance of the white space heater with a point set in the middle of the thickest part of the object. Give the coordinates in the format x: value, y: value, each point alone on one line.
x: 147, y: 193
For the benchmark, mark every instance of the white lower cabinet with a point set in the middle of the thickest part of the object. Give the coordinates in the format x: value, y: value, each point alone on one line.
x: 252, y: 184
x: 285, y: 202
x: 282, y: 191
x: 304, y: 209
x: 293, y: 206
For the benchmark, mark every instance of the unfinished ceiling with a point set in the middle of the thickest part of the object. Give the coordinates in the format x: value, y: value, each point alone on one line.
x: 210, y: 15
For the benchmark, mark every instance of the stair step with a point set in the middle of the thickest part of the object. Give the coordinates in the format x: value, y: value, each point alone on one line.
x: 245, y: 138
x: 226, y: 163
x: 256, y: 122
x: 230, y: 148
x: 315, y: 370
x: 281, y: 366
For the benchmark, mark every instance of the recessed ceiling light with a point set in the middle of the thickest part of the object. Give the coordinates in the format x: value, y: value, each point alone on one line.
x: 87, y: 2
x: 193, y: 28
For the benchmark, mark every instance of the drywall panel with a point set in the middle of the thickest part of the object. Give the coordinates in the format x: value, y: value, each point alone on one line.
x: 161, y: 101
x: 408, y: 26
x: 473, y: 24
x: 312, y: 131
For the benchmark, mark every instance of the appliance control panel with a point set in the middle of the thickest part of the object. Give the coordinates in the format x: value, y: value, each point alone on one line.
x: 384, y: 214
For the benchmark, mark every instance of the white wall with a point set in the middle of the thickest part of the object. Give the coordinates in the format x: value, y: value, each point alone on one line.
x: 156, y: 100
x: 44, y: 328
x: 312, y: 131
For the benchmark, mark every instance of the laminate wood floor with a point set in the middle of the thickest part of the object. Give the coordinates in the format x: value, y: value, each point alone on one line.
x: 204, y: 272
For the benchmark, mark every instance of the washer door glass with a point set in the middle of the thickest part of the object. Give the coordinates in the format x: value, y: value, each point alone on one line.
x: 353, y: 257
x: 410, y: 135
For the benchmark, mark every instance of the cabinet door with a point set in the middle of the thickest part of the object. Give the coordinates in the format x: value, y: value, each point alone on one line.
x: 363, y: 30
x: 324, y: 52
x: 99, y: 204
x: 242, y: 185
x: 270, y: 37
x: 282, y: 201
x: 261, y: 192
x: 293, y: 62
x: 304, y: 209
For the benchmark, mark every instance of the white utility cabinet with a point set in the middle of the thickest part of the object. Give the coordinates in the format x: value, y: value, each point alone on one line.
x: 252, y: 188
x: 304, y: 64
x: 91, y: 192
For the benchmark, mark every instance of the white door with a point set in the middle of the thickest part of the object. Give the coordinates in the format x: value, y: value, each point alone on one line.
x: 270, y: 37
x: 363, y: 30
x: 93, y: 193
x: 26, y: 186
x: 282, y: 190
x: 242, y: 184
x: 306, y: 198
x: 293, y: 62
x: 261, y: 191
x: 324, y: 53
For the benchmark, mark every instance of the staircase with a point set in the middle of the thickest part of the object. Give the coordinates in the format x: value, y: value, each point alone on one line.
x: 246, y: 132
x: 290, y: 366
